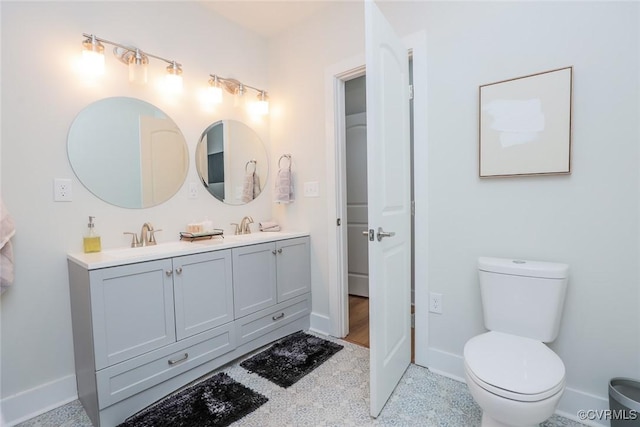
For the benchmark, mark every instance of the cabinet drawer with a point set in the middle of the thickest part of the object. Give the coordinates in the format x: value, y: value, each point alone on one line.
x: 257, y: 324
x: 135, y: 375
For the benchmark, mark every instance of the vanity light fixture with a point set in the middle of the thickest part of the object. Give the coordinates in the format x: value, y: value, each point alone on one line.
x: 238, y: 89
x: 93, y: 56
x: 134, y: 58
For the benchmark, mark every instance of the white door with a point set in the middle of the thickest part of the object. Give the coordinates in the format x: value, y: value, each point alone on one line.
x: 389, y: 188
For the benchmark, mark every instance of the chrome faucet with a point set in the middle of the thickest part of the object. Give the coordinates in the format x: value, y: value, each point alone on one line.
x: 145, y: 239
x: 244, y: 225
x: 147, y: 236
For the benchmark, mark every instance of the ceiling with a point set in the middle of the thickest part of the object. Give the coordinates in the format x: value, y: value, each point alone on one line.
x: 266, y: 18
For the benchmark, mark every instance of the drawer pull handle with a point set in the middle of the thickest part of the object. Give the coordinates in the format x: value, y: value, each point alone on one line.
x: 280, y: 250
x: 182, y: 359
x: 169, y: 273
x: 273, y: 251
x: 278, y: 317
x: 179, y: 270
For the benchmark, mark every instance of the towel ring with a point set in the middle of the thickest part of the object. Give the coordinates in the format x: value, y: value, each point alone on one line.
x: 255, y: 165
x: 284, y: 156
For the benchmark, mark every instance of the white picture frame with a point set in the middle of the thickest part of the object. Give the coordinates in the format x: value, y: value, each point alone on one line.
x: 525, y: 125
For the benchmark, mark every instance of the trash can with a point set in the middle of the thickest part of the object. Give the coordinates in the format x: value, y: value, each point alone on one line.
x: 624, y: 402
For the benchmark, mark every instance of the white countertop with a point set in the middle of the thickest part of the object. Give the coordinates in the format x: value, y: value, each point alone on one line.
x: 122, y: 256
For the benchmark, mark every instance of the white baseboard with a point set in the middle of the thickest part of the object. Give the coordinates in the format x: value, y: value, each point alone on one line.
x: 320, y: 324
x: 446, y: 364
x: 38, y: 400
x: 574, y: 400
x: 452, y: 366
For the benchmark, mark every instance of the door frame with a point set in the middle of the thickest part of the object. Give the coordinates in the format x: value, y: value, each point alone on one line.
x: 335, y: 78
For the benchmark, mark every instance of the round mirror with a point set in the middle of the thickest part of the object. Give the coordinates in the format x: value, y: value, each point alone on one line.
x: 128, y: 152
x: 232, y: 162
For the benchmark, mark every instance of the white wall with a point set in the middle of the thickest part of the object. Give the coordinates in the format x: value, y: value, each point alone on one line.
x: 298, y: 59
x: 588, y: 219
x: 41, y: 95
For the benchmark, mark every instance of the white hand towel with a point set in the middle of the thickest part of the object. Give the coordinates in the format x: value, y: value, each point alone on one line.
x: 256, y: 185
x: 284, y: 187
x: 7, y: 231
x: 248, y: 187
x: 269, y: 226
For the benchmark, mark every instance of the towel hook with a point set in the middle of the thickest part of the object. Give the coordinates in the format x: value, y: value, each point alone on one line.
x: 284, y: 156
x: 255, y: 165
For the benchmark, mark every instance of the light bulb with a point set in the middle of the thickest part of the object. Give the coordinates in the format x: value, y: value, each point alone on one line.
x: 92, y: 57
x: 261, y: 106
x: 173, y: 80
x: 138, y: 67
x: 238, y: 100
x: 214, y: 91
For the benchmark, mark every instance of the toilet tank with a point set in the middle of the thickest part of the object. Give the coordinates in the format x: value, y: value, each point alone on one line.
x: 523, y: 298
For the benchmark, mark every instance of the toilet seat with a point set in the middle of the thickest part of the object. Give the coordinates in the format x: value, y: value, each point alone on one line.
x: 514, y: 367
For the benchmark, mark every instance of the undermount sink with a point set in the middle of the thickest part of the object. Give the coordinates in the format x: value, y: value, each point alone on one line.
x: 145, y: 250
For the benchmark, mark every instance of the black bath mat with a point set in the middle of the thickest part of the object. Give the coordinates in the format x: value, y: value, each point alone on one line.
x: 291, y: 358
x: 217, y: 401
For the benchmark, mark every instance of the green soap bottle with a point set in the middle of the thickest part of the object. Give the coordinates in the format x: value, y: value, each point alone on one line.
x: 92, y: 240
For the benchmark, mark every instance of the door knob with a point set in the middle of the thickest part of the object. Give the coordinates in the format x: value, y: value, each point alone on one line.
x: 369, y: 234
x: 382, y: 233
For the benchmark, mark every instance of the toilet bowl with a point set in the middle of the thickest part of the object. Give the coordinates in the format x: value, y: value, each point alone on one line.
x: 516, y: 381
x: 512, y: 375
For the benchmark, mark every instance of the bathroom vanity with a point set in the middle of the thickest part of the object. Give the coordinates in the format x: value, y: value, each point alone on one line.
x: 147, y: 321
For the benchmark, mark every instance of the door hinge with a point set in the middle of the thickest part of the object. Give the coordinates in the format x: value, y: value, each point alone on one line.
x: 410, y: 92
x: 413, y: 208
x: 338, y: 222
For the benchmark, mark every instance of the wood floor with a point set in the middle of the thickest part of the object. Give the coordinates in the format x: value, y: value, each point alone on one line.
x: 359, y: 323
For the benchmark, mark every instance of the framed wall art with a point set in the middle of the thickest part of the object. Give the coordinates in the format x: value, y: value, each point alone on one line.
x: 525, y: 125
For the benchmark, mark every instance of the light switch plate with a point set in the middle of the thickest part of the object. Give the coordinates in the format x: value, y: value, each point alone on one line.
x: 311, y: 189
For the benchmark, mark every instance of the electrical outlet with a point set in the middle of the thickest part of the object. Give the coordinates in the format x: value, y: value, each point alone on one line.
x: 193, y: 190
x: 311, y: 189
x: 435, y: 303
x: 62, y: 190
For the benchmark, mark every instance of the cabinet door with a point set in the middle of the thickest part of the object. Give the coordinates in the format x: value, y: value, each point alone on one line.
x: 293, y: 268
x: 132, y: 310
x: 203, y: 292
x: 254, y: 278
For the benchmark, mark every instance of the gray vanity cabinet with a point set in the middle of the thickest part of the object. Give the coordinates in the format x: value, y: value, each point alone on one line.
x: 203, y: 292
x: 139, y: 325
x: 254, y: 278
x: 131, y: 310
x: 270, y: 273
x: 142, y: 330
x: 293, y: 268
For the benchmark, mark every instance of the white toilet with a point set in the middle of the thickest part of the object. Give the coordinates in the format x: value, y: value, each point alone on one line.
x: 515, y: 378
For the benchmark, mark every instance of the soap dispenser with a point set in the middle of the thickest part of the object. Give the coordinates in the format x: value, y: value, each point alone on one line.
x: 91, y: 240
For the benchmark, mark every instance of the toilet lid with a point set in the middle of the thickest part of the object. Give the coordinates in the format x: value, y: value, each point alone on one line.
x: 512, y: 363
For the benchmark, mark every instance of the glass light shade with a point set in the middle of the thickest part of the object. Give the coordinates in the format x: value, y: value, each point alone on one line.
x: 214, y: 94
x: 93, y: 57
x: 138, y: 73
x: 238, y: 99
x: 137, y: 67
x: 173, y: 83
x: 173, y: 79
x: 261, y: 108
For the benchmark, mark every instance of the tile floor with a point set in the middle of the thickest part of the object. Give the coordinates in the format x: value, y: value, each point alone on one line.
x: 336, y: 394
